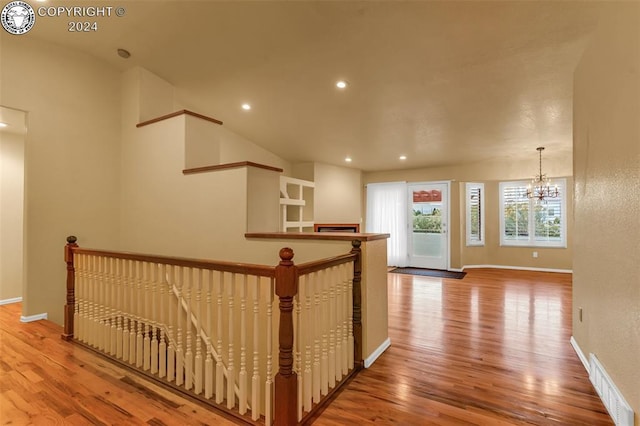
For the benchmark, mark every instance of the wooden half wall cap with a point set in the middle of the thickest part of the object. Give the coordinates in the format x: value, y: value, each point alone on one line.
x: 177, y: 113
x: 230, y: 166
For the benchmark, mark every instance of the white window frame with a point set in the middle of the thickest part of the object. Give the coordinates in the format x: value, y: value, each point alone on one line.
x: 479, y: 188
x: 531, y: 241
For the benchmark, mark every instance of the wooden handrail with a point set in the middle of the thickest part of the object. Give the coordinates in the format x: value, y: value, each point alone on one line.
x: 317, y: 265
x: 238, y: 268
x: 177, y: 113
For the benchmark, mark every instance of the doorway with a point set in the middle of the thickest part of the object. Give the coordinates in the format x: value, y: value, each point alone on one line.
x: 428, y: 235
x: 12, y: 146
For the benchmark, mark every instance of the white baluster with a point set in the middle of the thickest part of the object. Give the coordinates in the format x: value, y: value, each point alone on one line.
x: 344, y: 279
x: 99, y: 335
x: 132, y: 310
x: 163, y: 305
x: 317, y: 333
x: 208, y: 363
x: 198, y: 358
x: 329, y: 276
x: 139, y: 315
x: 268, y: 408
x: 106, y: 291
x: 154, y: 309
x: 255, y: 379
x: 335, y: 278
x: 91, y: 329
x: 146, y: 303
x: 308, y: 338
x: 231, y: 372
x: 179, y: 349
x: 242, y: 376
x: 324, y: 360
x: 126, y: 303
x: 188, y: 356
x: 219, y: 366
x: 297, y: 342
x: 98, y: 322
x: 77, y: 311
x: 171, y: 354
x: 118, y: 304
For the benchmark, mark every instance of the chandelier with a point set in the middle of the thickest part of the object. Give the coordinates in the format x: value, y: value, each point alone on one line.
x: 540, y: 186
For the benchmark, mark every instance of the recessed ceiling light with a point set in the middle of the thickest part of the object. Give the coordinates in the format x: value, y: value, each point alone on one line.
x: 403, y: 157
x: 341, y: 84
x: 246, y: 107
x: 348, y: 159
x: 3, y: 124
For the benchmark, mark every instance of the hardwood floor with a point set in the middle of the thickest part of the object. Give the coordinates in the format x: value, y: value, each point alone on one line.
x: 491, y: 349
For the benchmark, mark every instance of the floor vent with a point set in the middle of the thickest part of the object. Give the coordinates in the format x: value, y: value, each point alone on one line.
x: 620, y: 411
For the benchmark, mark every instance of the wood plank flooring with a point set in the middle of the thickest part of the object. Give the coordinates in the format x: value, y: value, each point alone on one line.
x: 491, y: 349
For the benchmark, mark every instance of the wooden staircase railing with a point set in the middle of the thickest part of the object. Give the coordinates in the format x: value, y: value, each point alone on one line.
x: 211, y: 329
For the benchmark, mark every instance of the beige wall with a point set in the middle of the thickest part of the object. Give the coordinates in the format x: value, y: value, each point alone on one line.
x: 375, y: 312
x: 71, y: 157
x: 606, y: 283
x: 201, y: 215
x: 491, y: 173
x: 337, y: 196
x: 11, y: 214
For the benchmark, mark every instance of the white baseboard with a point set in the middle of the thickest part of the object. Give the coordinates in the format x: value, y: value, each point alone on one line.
x: 9, y: 301
x: 379, y: 350
x: 583, y: 359
x: 32, y: 318
x: 519, y: 268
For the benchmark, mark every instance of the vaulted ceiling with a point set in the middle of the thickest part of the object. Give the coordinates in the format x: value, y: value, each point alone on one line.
x: 440, y: 82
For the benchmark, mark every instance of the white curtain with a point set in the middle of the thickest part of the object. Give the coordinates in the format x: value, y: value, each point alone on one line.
x: 387, y: 214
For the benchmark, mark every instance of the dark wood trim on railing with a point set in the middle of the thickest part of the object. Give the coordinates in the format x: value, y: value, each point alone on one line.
x: 238, y: 268
x: 357, y: 305
x: 70, y: 306
x: 317, y: 265
x: 331, y: 236
x: 177, y: 113
x: 286, y: 381
x: 226, y: 166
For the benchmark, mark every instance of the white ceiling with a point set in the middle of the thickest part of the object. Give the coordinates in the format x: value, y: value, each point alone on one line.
x: 440, y: 82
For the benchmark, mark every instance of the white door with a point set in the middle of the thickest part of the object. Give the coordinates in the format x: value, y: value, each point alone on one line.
x: 428, y: 237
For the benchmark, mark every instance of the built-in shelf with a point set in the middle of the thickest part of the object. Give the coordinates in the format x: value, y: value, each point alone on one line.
x: 296, y: 196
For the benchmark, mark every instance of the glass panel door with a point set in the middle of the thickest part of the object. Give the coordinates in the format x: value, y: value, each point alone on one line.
x: 428, y: 223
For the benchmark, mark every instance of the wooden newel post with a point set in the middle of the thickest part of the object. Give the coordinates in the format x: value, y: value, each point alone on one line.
x: 357, y: 304
x: 286, y: 383
x: 69, y: 307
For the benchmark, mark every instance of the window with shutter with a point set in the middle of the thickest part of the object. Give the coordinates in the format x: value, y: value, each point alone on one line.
x: 475, y: 214
x: 531, y: 222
